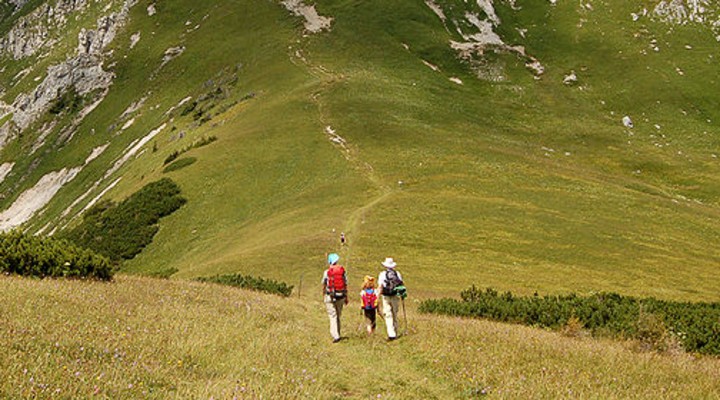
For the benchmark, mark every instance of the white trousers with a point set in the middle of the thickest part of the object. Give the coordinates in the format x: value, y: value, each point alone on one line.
x: 334, y: 310
x: 390, y: 309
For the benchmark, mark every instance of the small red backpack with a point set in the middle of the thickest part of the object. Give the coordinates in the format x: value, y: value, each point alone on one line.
x: 368, y: 299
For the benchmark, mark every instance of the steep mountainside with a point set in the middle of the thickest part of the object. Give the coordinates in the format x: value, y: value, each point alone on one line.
x: 544, y: 146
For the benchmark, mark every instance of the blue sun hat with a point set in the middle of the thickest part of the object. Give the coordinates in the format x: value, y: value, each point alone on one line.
x: 333, y: 258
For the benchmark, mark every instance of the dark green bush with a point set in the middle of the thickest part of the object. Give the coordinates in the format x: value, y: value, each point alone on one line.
x: 171, y: 157
x: 179, y: 164
x: 42, y: 257
x: 69, y: 100
x: 695, y: 325
x: 249, y: 282
x: 121, y: 231
x: 203, y: 141
x: 188, y: 108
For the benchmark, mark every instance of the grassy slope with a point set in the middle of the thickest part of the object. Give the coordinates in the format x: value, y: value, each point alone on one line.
x: 480, y: 197
x: 272, y: 182
x: 140, y: 337
x: 481, y: 201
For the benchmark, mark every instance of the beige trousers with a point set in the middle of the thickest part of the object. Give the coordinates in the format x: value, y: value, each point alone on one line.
x: 334, y: 310
x: 390, y: 309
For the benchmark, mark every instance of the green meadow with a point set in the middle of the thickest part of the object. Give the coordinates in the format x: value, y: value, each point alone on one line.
x: 148, y: 338
x: 520, y: 183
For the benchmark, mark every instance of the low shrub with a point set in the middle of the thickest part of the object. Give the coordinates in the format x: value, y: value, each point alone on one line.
x: 695, y: 325
x: 179, y: 164
x: 42, y: 257
x: 573, y: 328
x: 69, y: 101
x: 171, y: 157
x: 121, y: 231
x: 203, y: 141
x: 252, y: 283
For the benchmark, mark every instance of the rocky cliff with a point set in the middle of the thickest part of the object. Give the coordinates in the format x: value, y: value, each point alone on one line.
x: 82, y: 72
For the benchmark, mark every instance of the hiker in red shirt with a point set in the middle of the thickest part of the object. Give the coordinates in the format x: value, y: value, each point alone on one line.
x: 334, y: 284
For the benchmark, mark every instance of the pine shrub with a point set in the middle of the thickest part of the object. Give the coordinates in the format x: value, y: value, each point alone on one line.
x: 41, y: 257
x: 180, y: 164
x: 695, y: 325
x: 203, y: 141
x: 252, y: 283
x: 121, y: 231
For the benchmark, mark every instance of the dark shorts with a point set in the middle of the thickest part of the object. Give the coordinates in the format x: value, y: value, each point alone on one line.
x: 370, y: 315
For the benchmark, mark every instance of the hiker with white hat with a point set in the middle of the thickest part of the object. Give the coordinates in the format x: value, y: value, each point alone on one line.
x: 392, y: 290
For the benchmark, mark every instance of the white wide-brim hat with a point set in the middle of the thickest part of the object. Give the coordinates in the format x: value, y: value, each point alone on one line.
x: 389, y: 263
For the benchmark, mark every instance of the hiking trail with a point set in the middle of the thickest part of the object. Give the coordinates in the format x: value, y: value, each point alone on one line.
x: 327, y: 80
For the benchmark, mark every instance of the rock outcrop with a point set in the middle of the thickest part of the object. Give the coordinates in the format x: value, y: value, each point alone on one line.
x: 6, y: 133
x: 314, y: 22
x: 32, y: 32
x: 35, y: 198
x: 684, y: 12
x: 18, y: 3
x: 94, y: 41
x: 84, y: 72
x: 478, y: 30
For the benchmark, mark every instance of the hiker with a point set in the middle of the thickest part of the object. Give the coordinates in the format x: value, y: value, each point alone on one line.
x: 334, y: 284
x: 369, y: 297
x: 342, y: 238
x: 392, y: 290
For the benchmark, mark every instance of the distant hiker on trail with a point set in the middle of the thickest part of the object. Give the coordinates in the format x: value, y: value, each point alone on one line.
x: 392, y: 290
x: 334, y: 284
x: 369, y: 297
x: 342, y: 238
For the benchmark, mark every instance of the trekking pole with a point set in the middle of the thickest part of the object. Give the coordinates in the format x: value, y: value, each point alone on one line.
x: 402, y: 299
x: 301, y: 282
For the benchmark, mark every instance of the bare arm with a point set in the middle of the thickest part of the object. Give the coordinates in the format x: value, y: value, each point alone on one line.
x: 324, y: 283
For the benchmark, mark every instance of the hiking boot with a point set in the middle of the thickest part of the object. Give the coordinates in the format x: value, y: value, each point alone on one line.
x: 336, y: 340
x: 391, y: 338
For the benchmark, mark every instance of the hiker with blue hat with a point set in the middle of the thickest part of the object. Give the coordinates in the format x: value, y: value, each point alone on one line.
x: 392, y: 290
x: 334, y: 284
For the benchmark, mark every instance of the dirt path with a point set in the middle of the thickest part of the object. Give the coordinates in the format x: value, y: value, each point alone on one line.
x: 328, y: 80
